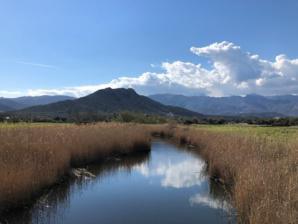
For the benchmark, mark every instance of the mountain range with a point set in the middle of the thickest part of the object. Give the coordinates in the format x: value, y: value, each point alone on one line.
x: 107, y: 101
x: 10, y: 104
x: 250, y: 105
x: 116, y: 100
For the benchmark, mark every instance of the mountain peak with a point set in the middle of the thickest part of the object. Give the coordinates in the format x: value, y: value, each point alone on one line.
x: 109, y: 101
x: 122, y: 91
x: 255, y: 96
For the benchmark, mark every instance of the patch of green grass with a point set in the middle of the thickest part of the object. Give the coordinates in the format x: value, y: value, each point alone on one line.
x: 25, y: 124
x: 279, y: 133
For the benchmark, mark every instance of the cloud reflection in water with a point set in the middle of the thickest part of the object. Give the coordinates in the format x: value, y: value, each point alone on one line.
x: 176, y: 174
x: 206, y: 200
x: 182, y: 171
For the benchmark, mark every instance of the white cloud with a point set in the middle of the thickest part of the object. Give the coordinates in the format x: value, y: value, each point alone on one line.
x: 230, y: 62
x: 233, y: 72
x: 246, y: 73
x: 10, y: 94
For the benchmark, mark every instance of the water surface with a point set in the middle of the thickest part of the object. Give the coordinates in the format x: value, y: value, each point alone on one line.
x: 166, y: 185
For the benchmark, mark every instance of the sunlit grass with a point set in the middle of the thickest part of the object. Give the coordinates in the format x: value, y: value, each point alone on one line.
x: 26, y: 124
x: 260, y: 164
x: 34, y: 156
x: 282, y: 133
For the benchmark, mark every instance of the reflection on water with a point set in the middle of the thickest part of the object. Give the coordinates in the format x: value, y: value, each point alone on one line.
x: 177, y: 174
x: 167, y: 185
x: 209, y: 201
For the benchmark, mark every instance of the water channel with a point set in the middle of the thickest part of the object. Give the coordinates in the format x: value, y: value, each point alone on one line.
x: 166, y: 185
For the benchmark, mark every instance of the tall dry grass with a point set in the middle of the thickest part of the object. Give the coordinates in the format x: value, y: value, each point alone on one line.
x: 262, y: 172
x: 34, y: 157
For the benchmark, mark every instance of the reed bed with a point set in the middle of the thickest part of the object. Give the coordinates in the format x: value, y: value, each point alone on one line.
x: 33, y: 157
x: 260, y: 170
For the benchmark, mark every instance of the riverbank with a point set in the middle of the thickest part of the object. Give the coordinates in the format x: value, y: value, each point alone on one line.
x: 258, y: 165
x: 34, y: 157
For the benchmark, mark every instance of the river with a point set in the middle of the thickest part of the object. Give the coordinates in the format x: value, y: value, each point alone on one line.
x: 166, y: 185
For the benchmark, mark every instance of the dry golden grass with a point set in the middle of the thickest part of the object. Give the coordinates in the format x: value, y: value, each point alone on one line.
x: 262, y: 171
x: 33, y: 157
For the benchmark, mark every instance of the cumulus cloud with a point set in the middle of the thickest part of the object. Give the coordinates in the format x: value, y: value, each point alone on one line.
x: 233, y: 71
x: 246, y: 73
x: 230, y: 62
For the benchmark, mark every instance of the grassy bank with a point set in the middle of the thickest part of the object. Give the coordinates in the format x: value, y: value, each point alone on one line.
x: 260, y: 165
x: 36, y: 156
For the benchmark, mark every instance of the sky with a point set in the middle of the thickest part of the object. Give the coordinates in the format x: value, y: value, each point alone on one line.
x: 190, y: 47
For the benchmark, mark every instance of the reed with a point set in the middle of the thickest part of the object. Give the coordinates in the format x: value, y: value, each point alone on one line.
x: 33, y: 157
x: 261, y: 170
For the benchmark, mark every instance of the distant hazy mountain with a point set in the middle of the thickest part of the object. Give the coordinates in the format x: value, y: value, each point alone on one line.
x: 8, y: 104
x: 109, y: 101
x: 256, y: 105
x: 41, y: 100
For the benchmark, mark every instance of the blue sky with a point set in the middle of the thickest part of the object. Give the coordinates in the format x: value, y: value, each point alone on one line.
x: 54, y: 45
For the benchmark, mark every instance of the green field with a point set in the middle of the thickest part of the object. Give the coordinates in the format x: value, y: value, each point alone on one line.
x: 280, y: 133
x: 26, y: 124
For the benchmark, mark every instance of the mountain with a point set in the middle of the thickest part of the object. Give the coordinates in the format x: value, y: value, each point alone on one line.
x: 8, y: 104
x: 41, y: 100
x: 107, y: 101
x: 250, y: 105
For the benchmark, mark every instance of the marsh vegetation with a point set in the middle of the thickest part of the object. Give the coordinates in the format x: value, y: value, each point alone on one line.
x: 259, y: 165
x: 33, y: 157
x: 256, y: 165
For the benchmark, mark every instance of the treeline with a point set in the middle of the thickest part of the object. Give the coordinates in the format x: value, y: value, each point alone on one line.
x: 285, y: 121
x: 126, y: 116
x: 86, y: 117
